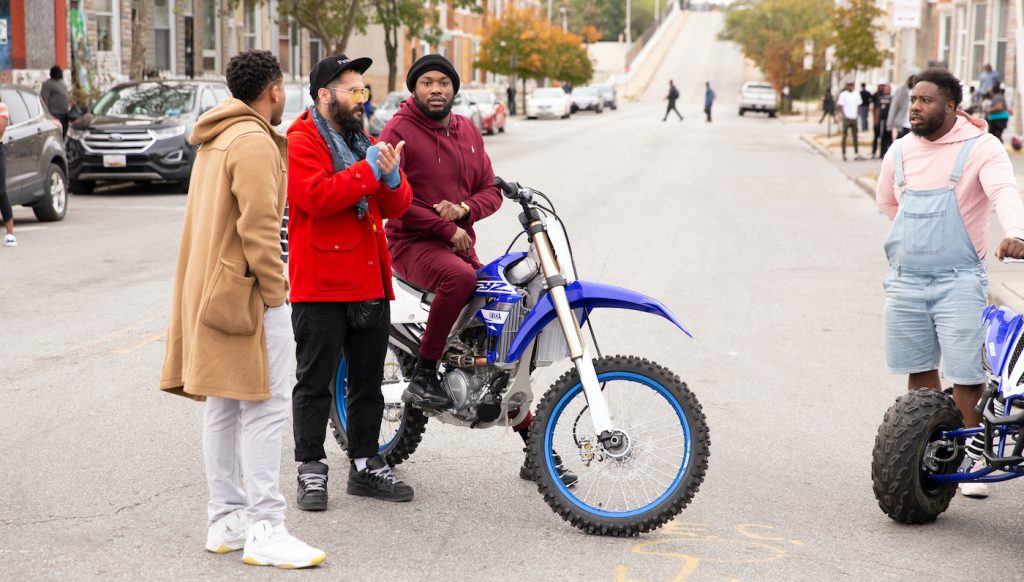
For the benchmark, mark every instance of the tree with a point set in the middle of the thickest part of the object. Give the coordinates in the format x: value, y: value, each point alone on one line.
x: 332, y: 21
x: 856, y: 34
x: 419, y: 19
x: 771, y: 33
x: 142, y: 27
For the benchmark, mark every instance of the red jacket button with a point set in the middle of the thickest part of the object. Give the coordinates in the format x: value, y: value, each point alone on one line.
x: 359, y: 176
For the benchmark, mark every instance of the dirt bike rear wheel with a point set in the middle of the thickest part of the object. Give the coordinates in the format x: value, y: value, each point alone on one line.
x: 898, y: 471
x: 640, y: 486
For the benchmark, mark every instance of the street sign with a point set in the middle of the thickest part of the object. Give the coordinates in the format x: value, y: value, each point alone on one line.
x: 808, y: 62
x: 808, y: 46
x: 906, y: 14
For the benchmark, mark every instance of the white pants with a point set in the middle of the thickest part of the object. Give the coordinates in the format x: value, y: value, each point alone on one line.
x: 244, y: 438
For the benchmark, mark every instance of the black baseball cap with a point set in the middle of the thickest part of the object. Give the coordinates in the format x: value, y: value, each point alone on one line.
x: 330, y: 67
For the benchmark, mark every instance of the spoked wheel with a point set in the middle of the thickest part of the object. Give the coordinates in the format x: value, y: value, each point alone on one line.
x: 402, y: 426
x: 908, y: 449
x: 637, y: 483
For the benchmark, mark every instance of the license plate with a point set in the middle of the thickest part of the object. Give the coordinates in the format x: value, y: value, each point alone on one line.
x: 114, y: 161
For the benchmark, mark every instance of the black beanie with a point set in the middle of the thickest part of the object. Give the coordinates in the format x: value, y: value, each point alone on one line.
x: 428, y: 63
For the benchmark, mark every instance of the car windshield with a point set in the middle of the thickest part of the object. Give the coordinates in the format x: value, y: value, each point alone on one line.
x: 482, y: 98
x: 548, y: 93
x: 295, y: 98
x: 147, y: 100
x: 760, y: 87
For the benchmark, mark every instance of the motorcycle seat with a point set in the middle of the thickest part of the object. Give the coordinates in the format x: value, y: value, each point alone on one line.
x: 426, y: 295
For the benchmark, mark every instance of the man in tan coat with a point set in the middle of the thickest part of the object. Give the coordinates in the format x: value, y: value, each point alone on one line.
x: 230, y: 340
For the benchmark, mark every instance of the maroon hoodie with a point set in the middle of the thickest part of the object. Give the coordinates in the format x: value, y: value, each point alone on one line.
x: 441, y: 164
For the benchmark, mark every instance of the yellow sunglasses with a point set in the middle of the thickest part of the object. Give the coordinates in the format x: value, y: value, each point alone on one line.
x: 357, y: 95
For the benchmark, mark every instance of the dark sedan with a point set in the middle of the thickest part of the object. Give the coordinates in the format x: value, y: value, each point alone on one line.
x: 138, y: 132
x: 36, y: 165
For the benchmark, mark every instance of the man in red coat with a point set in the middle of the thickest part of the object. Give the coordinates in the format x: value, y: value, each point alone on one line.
x: 432, y: 243
x: 341, y: 184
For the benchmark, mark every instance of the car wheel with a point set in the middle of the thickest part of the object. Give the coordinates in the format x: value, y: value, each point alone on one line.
x: 82, y: 186
x: 501, y: 129
x: 183, y: 185
x: 771, y: 114
x: 742, y: 111
x: 600, y: 109
x: 54, y: 204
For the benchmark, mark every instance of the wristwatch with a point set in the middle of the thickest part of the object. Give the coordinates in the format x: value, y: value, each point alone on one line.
x: 465, y: 207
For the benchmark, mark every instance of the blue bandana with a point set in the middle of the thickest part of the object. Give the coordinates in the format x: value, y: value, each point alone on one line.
x: 342, y: 153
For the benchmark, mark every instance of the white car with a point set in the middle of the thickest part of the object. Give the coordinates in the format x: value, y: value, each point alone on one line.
x: 548, y: 102
x: 296, y: 100
x: 758, y: 96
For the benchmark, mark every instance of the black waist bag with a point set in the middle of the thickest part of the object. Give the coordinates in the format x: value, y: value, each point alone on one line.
x: 365, y: 314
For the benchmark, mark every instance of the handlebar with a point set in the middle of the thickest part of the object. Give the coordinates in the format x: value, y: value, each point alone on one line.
x: 513, y: 191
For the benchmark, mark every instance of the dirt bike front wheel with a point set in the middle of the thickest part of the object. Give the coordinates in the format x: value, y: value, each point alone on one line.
x: 648, y: 477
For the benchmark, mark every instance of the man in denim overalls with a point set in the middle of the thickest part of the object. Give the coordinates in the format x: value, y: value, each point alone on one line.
x: 939, y: 184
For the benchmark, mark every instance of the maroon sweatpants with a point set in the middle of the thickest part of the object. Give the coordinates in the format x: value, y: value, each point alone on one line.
x: 434, y: 265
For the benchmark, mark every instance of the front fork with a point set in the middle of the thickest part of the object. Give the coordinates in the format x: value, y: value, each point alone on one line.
x: 579, y: 352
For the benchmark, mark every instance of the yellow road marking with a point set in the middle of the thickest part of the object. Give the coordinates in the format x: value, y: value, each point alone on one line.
x: 144, y: 341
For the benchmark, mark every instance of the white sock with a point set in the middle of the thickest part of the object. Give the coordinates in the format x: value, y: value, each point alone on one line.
x: 361, y: 463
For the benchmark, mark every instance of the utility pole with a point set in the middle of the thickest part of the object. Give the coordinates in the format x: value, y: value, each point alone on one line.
x: 549, y: 10
x: 629, y: 24
x: 565, y: 18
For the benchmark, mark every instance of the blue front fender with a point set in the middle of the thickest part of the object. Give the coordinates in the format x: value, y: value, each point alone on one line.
x: 585, y: 295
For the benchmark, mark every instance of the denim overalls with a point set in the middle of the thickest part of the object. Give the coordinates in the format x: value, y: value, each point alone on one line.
x: 936, y: 288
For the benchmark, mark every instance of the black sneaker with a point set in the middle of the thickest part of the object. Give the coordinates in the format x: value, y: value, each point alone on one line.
x: 569, y: 478
x: 312, y: 495
x: 425, y: 391
x: 377, y: 480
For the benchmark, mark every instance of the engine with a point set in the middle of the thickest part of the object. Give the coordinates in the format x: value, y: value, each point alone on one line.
x: 475, y: 387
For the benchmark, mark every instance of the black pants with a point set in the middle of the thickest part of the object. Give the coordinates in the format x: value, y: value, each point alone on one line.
x: 849, y: 125
x: 707, y: 112
x: 322, y: 335
x: 63, y: 119
x: 882, y: 140
x: 997, y: 126
x: 6, y: 212
x: 671, y: 108
x: 512, y: 106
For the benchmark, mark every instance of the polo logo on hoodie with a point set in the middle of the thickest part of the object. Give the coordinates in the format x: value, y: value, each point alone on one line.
x: 472, y: 150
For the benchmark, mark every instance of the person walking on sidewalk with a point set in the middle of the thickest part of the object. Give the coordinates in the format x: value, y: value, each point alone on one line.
x: 849, y: 105
x: 898, y: 119
x: 6, y: 212
x: 828, y: 106
x: 988, y: 82
x: 882, y: 139
x: 510, y: 94
x: 998, y: 114
x: 709, y: 100
x: 672, y: 97
x: 54, y: 94
x: 229, y: 340
x: 341, y: 185
x: 938, y: 185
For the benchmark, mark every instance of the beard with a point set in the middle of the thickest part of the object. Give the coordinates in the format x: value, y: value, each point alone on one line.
x: 349, y: 120
x: 929, y: 126
x: 435, y: 115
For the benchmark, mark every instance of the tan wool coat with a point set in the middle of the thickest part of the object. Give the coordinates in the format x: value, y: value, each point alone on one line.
x: 229, y: 260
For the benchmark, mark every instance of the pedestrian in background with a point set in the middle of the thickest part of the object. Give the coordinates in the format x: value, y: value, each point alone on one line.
x: 975, y: 99
x: 899, y: 112
x: 998, y: 114
x: 510, y: 93
x: 368, y: 106
x: 672, y: 97
x: 6, y: 212
x: 341, y: 186
x: 882, y: 139
x: 865, y: 106
x: 55, y: 95
x: 709, y: 100
x: 988, y: 81
x: 939, y: 186
x: 828, y: 106
x: 229, y: 340
x: 849, y: 105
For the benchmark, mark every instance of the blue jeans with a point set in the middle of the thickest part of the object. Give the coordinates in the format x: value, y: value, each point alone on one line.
x: 929, y: 317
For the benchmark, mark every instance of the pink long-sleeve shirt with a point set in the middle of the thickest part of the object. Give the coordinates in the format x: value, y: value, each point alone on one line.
x: 988, y: 179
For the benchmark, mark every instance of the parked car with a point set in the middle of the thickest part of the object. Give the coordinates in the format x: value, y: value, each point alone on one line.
x: 296, y: 100
x: 137, y: 132
x: 587, y: 99
x: 463, y: 106
x: 548, y: 102
x: 34, y: 153
x: 386, y: 110
x: 758, y: 96
x: 492, y: 111
x: 608, y: 96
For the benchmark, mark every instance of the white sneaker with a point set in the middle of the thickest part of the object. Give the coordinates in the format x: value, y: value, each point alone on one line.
x: 10, y: 241
x: 974, y: 490
x: 227, y: 534
x: 268, y: 545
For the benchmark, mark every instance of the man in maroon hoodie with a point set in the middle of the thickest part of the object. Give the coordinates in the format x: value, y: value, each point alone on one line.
x: 432, y: 243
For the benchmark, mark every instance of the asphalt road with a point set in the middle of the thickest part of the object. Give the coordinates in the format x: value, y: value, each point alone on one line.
x: 763, y: 249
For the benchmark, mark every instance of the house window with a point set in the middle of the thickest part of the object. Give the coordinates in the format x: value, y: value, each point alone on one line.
x: 960, y: 60
x: 105, y: 12
x: 945, y: 39
x: 978, y: 41
x: 162, y: 34
x: 315, y: 51
x: 1000, y: 26
x: 249, y: 18
x: 211, y: 34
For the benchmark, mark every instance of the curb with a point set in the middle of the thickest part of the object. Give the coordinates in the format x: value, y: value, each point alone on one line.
x: 862, y: 182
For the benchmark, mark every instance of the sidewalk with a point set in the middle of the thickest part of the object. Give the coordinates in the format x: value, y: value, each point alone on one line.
x: 1006, y: 282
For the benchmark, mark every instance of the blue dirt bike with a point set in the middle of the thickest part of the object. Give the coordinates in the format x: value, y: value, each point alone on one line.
x: 923, y: 450
x: 630, y: 429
